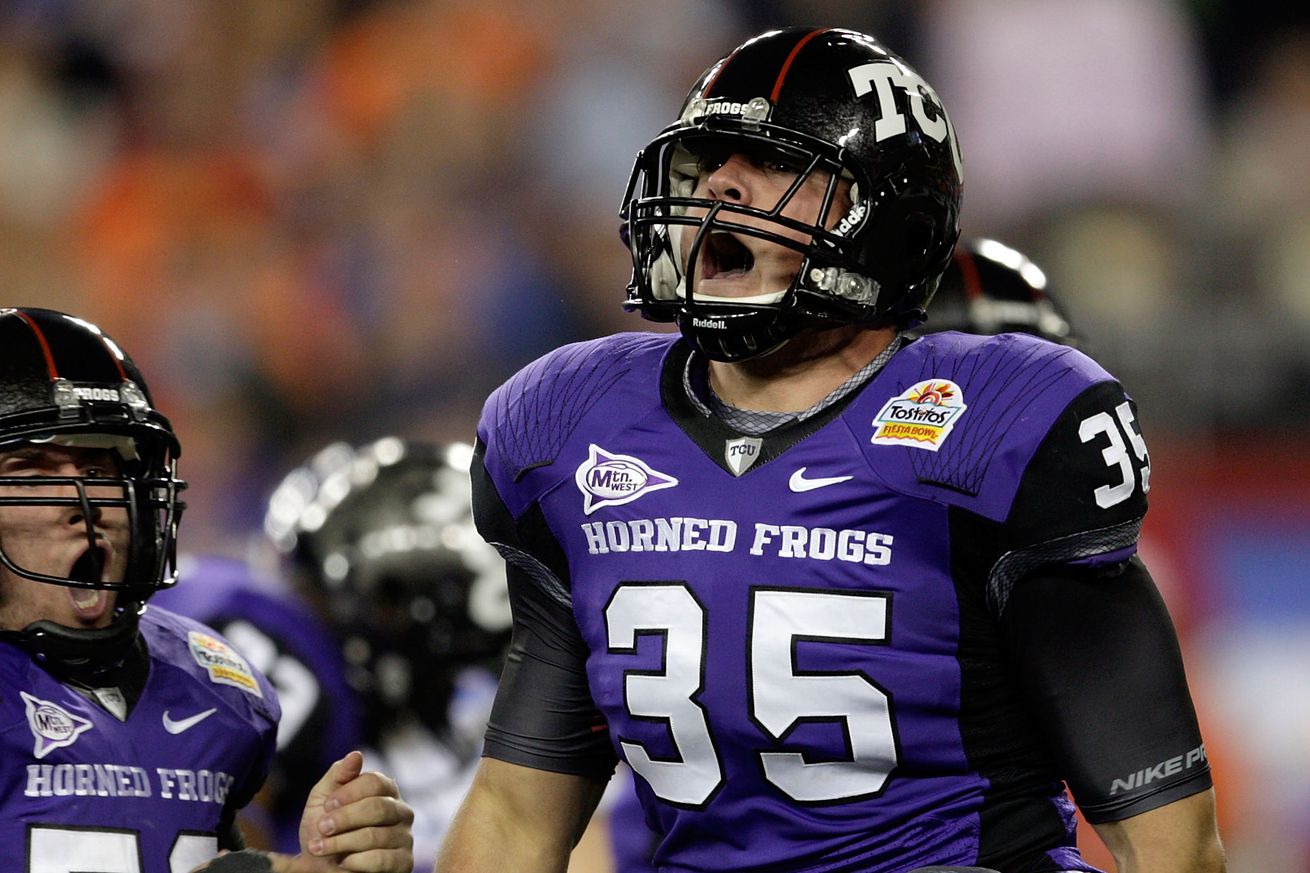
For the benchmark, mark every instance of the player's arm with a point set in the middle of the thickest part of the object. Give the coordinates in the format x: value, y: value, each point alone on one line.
x: 1100, y: 666
x: 547, y: 755
x: 1093, y: 647
x: 519, y: 818
x: 302, y: 732
x: 1181, y: 836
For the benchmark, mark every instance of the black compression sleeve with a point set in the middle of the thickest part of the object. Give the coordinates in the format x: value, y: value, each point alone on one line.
x: 1099, y: 663
x: 544, y: 716
x: 229, y: 833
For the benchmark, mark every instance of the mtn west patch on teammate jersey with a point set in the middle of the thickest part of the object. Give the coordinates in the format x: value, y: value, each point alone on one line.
x: 83, y: 791
x: 803, y: 667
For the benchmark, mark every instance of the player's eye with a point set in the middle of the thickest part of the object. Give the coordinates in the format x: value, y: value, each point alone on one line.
x: 777, y: 161
x: 709, y: 162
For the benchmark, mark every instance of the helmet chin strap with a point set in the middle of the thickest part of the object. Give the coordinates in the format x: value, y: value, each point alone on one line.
x: 79, y: 652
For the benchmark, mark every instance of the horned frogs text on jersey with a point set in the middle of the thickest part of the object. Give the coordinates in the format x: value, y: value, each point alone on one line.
x: 792, y: 639
x: 81, y: 790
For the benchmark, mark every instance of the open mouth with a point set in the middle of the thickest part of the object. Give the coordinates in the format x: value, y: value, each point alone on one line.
x: 90, y: 565
x: 723, y: 256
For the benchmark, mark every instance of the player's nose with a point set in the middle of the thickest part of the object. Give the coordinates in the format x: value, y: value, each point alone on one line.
x: 732, y: 180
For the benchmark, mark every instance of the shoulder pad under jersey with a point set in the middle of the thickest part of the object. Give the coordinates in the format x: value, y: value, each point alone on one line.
x: 601, y: 384
x: 208, y: 659
x: 958, y: 418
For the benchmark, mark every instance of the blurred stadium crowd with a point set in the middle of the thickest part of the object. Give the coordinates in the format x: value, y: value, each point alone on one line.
x: 315, y: 220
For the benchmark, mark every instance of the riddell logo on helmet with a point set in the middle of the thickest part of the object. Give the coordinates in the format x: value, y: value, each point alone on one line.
x: 710, y: 323
x: 852, y: 219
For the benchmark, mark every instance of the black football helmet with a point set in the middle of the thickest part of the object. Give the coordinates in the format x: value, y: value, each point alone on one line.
x: 64, y: 382
x: 991, y: 288
x: 383, y: 538
x: 830, y: 102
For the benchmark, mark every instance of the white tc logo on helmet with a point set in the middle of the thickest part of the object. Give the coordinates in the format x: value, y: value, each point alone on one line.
x: 882, y: 76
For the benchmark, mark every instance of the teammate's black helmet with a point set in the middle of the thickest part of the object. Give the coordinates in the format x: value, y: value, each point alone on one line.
x: 828, y: 101
x: 64, y: 382
x: 384, y: 536
x: 991, y: 288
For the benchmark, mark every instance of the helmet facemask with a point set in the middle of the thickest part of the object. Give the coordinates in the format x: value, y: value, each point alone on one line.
x: 128, y: 517
x: 662, y: 214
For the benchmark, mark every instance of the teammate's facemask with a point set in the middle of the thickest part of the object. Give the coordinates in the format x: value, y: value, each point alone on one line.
x: 63, y: 382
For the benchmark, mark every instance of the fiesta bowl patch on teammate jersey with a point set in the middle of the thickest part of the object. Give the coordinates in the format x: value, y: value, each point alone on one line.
x: 222, y: 663
x: 53, y: 726
x: 921, y: 417
x: 606, y: 479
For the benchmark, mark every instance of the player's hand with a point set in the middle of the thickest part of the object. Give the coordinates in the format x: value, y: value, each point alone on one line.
x: 354, y: 821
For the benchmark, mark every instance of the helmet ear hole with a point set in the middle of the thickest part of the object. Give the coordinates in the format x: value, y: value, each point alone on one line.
x: 904, y: 247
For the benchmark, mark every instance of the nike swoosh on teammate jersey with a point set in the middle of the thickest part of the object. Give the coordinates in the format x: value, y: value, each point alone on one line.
x: 799, y: 483
x: 177, y: 727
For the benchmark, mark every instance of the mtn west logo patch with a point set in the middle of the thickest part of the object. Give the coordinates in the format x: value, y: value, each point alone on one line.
x: 606, y: 479
x: 921, y: 417
x: 53, y: 726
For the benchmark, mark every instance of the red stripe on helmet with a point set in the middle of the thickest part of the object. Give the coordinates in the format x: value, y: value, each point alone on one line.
x: 41, y: 341
x: 972, y: 282
x: 786, y: 65
x: 723, y: 66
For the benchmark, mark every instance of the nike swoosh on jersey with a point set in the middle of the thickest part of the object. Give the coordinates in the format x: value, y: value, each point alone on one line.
x: 177, y: 727
x: 799, y: 483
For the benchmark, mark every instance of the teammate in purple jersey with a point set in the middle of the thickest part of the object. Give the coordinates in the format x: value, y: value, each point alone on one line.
x: 844, y: 599
x: 132, y: 736
x: 282, y: 638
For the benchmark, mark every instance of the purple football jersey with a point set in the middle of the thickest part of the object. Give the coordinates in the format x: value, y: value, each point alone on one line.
x: 285, y: 640
x: 83, y: 791
x: 791, y: 638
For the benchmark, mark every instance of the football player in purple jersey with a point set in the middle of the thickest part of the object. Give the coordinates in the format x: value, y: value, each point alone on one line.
x: 988, y: 288
x: 132, y: 735
x: 842, y: 597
